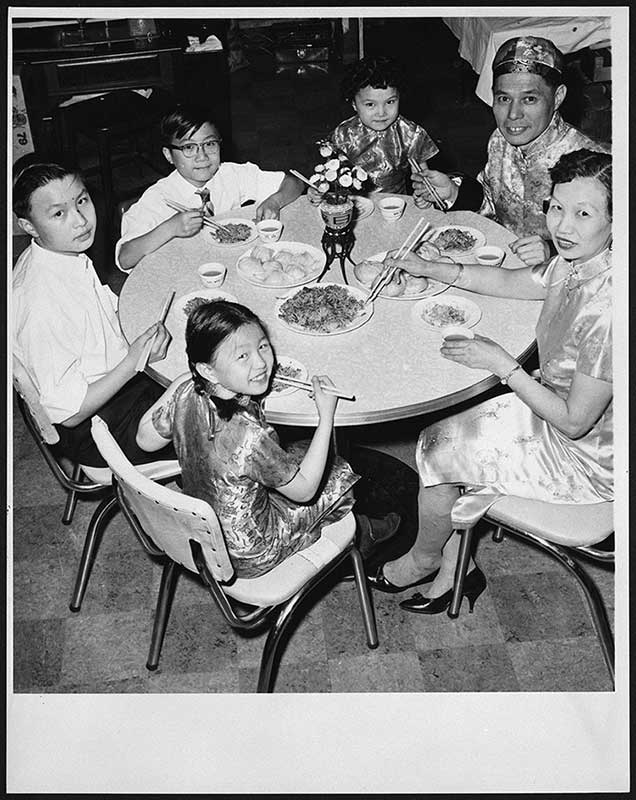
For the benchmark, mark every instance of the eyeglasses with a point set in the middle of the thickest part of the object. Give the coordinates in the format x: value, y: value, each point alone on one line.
x: 191, y: 149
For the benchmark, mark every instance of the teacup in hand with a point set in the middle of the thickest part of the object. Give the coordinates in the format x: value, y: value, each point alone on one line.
x: 392, y: 208
x: 212, y: 274
x: 269, y: 230
x: 453, y: 332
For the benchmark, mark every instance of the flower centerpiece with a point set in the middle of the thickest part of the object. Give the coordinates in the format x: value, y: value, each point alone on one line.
x: 337, y: 178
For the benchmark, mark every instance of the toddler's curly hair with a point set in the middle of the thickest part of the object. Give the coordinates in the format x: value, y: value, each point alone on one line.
x: 378, y: 72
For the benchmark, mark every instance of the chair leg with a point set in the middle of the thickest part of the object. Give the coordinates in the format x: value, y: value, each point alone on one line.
x: 498, y: 534
x: 169, y: 577
x: 103, y: 514
x: 460, y: 572
x: 71, y: 497
x: 366, y: 604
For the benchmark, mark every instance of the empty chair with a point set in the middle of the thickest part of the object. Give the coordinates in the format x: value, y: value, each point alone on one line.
x: 186, y: 530
x: 566, y: 532
x: 79, y: 479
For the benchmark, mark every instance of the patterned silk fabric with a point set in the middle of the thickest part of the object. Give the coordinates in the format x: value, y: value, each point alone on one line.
x: 516, y: 180
x: 235, y: 466
x: 384, y: 154
x: 501, y: 447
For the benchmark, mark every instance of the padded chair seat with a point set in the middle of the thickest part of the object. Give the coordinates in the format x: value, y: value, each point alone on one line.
x: 155, y: 470
x: 568, y: 525
x: 285, y: 580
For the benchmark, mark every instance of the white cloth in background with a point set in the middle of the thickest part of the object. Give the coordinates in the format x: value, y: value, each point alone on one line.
x: 230, y: 187
x: 65, y: 327
x: 481, y: 37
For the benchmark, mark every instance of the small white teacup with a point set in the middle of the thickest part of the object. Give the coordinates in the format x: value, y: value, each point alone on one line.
x: 269, y: 230
x: 212, y: 274
x: 392, y: 208
x: 489, y: 256
x: 451, y: 332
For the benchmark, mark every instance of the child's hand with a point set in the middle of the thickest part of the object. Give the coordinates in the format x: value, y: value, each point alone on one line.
x: 446, y: 188
x: 159, y: 348
x: 325, y: 403
x: 532, y: 250
x: 187, y: 223
x: 314, y: 196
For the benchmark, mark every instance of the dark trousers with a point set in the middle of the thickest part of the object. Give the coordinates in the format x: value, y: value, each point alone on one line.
x: 122, y: 414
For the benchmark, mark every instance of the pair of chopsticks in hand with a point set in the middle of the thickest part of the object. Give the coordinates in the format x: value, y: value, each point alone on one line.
x: 308, y: 387
x: 145, y: 353
x: 206, y: 220
x: 421, y: 230
x: 302, y: 178
x: 440, y: 205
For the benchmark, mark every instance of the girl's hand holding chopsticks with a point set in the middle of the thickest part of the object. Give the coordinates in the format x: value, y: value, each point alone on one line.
x: 325, y: 400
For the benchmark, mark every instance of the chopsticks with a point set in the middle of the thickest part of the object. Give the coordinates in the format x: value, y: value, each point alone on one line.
x: 421, y: 228
x: 439, y: 203
x: 304, y: 180
x: 308, y: 387
x: 145, y: 353
x: 206, y: 220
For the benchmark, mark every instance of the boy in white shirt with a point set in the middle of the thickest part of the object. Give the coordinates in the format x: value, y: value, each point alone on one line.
x: 201, y: 182
x: 65, y: 326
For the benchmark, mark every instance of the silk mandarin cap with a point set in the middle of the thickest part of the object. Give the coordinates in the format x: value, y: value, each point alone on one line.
x: 528, y: 54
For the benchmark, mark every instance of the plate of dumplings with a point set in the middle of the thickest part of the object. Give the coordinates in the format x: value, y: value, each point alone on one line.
x: 281, y: 265
x: 401, y: 287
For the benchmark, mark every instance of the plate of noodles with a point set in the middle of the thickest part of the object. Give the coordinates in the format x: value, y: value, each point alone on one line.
x: 185, y: 305
x: 451, y: 310
x: 324, y: 309
x: 239, y: 232
x: 457, y: 240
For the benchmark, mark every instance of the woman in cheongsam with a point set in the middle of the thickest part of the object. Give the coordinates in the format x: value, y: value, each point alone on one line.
x: 551, y: 439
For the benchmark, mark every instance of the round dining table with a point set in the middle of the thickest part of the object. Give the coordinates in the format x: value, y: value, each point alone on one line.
x: 391, y: 364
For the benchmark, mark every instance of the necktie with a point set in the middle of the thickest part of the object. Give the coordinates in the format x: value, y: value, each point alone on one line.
x: 206, y: 203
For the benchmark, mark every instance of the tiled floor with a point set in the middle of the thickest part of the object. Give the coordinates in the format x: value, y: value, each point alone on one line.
x: 530, y: 630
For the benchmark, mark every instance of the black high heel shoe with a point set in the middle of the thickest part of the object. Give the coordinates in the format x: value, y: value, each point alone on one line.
x: 474, y: 584
x: 382, y: 584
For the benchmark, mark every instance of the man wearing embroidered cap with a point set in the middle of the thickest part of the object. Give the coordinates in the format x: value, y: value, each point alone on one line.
x: 530, y: 138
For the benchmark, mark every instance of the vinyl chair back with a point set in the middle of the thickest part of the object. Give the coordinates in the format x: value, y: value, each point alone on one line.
x: 566, y: 532
x: 187, y: 531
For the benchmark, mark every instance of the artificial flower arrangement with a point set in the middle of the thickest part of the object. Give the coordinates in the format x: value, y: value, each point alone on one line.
x: 337, y: 176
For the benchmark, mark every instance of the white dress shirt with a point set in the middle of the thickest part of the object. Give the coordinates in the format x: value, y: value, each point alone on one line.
x: 230, y: 187
x: 65, y: 327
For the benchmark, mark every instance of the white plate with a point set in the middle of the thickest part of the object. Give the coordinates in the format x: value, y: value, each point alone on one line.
x: 234, y: 221
x: 364, y: 316
x: 364, y: 206
x: 479, y: 237
x: 178, y: 317
x: 293, y: 247
x: 471, y: 312
x: 434, y: 287
x: 282, y: 389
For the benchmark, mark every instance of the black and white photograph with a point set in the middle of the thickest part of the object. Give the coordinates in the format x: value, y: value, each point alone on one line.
x: 317, y: 469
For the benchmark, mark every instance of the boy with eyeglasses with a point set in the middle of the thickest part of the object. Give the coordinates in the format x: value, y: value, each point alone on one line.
x: 201, y: 182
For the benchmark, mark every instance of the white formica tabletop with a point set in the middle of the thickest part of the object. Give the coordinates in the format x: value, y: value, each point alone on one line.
x: 391, y: 364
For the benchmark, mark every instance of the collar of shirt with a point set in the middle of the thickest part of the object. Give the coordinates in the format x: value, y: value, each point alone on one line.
x: 63, y: 265
x: 185, y: 192
x: 581, y: 273
x: 542, y: 143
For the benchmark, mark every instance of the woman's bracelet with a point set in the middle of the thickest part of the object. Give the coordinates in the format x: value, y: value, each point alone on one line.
x: 505, y: 378
x: 460, y: 272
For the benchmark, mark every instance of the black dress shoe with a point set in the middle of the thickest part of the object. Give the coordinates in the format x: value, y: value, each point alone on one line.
x: 382, y: 584
x: 474, y: 584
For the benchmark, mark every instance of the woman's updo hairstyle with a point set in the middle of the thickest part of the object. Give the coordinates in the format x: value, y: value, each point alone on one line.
x: 208, y: 326
x: 585, y: 164
x: 378, y: 72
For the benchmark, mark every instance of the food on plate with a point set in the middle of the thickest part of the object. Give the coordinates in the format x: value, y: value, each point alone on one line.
x: 455, y: 239
x: 443, y: 314
x: 232, y: 233
x: 428, y: 251
x: 401, y: 284
x: 323, y: 309
x: 285, y: 371
x: 279, y: 267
